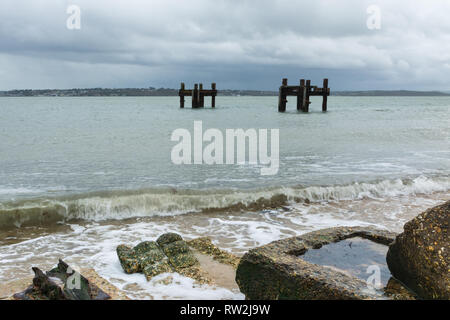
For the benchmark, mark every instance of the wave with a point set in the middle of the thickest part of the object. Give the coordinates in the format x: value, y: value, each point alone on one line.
x: 117, y: 205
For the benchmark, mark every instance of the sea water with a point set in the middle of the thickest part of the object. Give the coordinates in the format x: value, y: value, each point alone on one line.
x: 78, y: 176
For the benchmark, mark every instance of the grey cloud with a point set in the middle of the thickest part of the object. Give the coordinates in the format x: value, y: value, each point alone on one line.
x: 239, y: 43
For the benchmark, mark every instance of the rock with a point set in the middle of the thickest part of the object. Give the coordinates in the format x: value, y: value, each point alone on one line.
x: 275, y: 271
x: 179, y: 254
x: 170, y: 253
x: 205, y: 246
x: 148, y: 253
x: 61, y: 283
x: 128, y: 259
x: 146, y: 246
x: 168, y: 238
x: 99, y: 283
x: 419, y: 257
x: 176, y: 248
x: 396, y: 291
x: 152, y: 270
x: 197, y: 273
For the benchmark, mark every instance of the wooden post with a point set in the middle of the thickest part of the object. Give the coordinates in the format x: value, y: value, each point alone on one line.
x: 201, y: 97
x: 213, y: 97
x: 306, y: 101
x: 303, y: 92
x: 300, y: 94
x: 195, y: 96
x: 182, y: 95
x: 282, y: 96
x: 325, y: 95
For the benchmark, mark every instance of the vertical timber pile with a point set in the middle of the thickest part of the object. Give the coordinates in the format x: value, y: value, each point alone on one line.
x: 300, y: 94
x: 306, y: 101
x: 213, y: 96
x: 303, y: 92
x: 198, y: 95
x: 325, y: 95
x: 201, y: 97
x: 195, y: 97
x: 181, y: 94
x: 282, y: 96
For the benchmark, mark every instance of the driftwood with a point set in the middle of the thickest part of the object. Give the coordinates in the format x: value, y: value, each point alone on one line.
x: 61, y: 283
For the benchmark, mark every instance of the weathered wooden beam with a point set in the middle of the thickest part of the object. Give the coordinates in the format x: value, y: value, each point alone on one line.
x: 303, y: 92
x: 186, y: 93
x: 306, y: 95
x: 295, y: 90
x: 201, y: 97
x: 209, y: 92
x: 325, y: 95
x: 195, y: 96
x: 213, y: 95
x: 182, y: 95
x: 282, y: 96
x: 198, y: 95
x: 300, y: 95
x: 319, y: 92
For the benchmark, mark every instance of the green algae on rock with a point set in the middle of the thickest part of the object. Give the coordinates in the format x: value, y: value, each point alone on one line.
x: 204, y: 245
x: 419, y: 257
x: 145, y: 247
x: 168, y: 238
x: 128, y: 259
x: 177, y: 250
x: 170, y: 253
x: 159, y: 267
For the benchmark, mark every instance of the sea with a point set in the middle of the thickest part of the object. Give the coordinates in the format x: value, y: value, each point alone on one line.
x: 81, y: 175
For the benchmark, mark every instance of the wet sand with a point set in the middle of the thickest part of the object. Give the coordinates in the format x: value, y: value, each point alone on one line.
x: 92, y: 245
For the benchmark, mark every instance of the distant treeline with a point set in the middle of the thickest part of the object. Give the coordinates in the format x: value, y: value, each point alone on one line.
x: 164, y: 92
x: 389, y: 93
x: 125, y: 92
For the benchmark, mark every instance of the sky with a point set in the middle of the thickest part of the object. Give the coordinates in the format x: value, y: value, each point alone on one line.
x: 240, y: 44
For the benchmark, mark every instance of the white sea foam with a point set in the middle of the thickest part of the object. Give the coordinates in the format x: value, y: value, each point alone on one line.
x: 170, y: 202
x: 92, y: 245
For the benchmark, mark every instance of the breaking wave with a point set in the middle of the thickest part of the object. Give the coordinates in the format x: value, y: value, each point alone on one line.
x: 118, y: 205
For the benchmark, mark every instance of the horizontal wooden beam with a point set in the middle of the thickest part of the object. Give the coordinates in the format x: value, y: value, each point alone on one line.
x: 206, y: 93
x: 185, y: 93
x: 294, y: 90
x: 209, y: 93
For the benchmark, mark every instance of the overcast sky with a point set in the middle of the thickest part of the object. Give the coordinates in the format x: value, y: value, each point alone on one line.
x: 240, y: 44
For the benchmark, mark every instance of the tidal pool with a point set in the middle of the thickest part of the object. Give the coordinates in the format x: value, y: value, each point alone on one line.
x: 358, y: 257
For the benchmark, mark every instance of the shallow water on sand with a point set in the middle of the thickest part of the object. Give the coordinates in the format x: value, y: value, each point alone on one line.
x: 92, y: 244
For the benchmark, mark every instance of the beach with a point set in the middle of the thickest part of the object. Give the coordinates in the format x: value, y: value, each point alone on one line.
x: 80, y: 176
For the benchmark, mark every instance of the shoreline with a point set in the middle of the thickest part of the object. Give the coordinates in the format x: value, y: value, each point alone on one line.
x: 108, y: 206
x: 94, y: 243
x: 169, y: 92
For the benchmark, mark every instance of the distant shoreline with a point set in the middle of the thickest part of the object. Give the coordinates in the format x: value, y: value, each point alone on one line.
x: 164, y: 92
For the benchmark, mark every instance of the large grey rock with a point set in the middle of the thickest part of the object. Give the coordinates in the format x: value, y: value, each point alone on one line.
x: 419, y: 257
x: 275, y: 271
